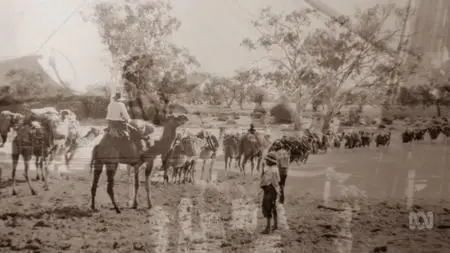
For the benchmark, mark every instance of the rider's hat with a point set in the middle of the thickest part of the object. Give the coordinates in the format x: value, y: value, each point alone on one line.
x: 118, y: 96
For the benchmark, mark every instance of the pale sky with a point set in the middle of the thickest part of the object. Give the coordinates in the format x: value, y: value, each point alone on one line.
x: 211, y: 29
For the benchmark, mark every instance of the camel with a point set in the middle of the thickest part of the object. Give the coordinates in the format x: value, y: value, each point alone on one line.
x: 113, y: 150
x: 8, y: 120
x: 41, y: 138
x: 231, y: 149
x: 202, y: 146
x: 252, y: 146
x: 180, y: 163
x: 60, y: 132
x: 209, y: 152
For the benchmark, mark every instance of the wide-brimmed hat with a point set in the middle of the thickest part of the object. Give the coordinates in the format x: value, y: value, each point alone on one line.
x: 118, y: 96
x: 271, y: 157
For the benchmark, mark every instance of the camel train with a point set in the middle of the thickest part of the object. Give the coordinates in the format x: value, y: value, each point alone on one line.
x: 53, y: 137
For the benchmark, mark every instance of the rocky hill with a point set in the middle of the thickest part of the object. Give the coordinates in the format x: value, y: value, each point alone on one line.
x: 23, y: 81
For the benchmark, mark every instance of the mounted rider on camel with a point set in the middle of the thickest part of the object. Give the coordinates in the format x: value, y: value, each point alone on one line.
x: 119, y: 121
x: 117, y: 116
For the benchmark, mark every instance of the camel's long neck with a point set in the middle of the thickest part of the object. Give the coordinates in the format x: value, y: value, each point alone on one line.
x: 90, y: 136
x: 166, y: 139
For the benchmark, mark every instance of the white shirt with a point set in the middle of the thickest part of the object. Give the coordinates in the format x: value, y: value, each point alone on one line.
x: 117, y: 111
x: 270, y: 177
x: 283, y: 157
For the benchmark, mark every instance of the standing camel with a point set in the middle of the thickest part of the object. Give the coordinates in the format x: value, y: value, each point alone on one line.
x: 180, y: 163
x: 231, y: 149
x: 39, y: 138
x: 41, y: 157
x: 202, y: 146
x: 209, y: 151
x: 113, y: 150
x: 251, y: 147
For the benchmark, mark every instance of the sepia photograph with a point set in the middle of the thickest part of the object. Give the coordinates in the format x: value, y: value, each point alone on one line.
x: 223, y: 126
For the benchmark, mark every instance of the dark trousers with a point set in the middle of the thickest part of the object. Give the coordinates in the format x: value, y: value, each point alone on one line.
x: 283, y: 176
x: 269, y: 201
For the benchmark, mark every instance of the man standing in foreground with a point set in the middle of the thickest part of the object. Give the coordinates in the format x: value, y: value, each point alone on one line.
x: 269, y: 184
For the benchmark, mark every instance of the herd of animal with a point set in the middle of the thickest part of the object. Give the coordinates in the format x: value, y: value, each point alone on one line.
x: 418, y: 129
x: 53, y: 136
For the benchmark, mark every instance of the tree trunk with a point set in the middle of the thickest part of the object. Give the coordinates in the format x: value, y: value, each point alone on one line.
x: 297, y: 118
x: 230, y: 102
x: 297, y: 122
x: 327, y: 120
x: 241, y: 103
x: 141, y: 106
x: 438, y: 108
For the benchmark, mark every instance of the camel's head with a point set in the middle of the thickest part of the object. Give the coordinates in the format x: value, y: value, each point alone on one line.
x: 93, y: 131
x: 230, y: 139
x: 180, y: 120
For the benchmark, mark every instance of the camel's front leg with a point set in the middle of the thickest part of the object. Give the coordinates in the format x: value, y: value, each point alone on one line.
x: 98, y: 168
x: 258, y: 165
x: 111, y: 170
x: 136, y: 184
x: 26, y: 161
x: 236, y: 162
x: 252, y: 163
x: 70, y: 156
x: 42, y: 160
x: 226, y: 162
x: 38, y: 169
x: 44, y: 169
x: 15, y: 161
x: 174, y: 174
x: 148, y: 172
x: 244, y: 161
x: 57, y: 161
x: 192, y: 171
x: 165, y: 167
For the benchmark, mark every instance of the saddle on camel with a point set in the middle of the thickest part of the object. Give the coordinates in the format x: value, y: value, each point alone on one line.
x: 121, y: 126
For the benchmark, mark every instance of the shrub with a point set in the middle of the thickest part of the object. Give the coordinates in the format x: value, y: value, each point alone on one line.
x: 258, y: 112
x: 282, y: 114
